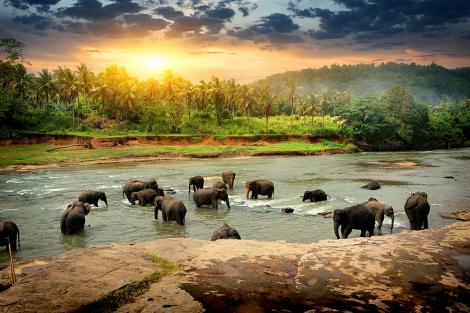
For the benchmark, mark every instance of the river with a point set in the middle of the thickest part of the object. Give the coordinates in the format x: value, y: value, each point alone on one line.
x: 35, y: 201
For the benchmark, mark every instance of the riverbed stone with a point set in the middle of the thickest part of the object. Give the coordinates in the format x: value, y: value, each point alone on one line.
x: 409, y: 271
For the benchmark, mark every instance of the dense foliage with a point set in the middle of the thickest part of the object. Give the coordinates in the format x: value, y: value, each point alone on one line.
x: 78, y: 100
x: 426, y: 83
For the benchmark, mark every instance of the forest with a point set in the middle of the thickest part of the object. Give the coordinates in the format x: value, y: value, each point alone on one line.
x: 113, y: 102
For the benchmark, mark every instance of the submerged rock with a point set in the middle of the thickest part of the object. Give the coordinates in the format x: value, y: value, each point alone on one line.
x: 461, y: 216
x: 287, y: 210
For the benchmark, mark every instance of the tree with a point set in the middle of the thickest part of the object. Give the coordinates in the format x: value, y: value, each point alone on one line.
x: 127, y: 96
x: 46, y: 84
x: 216, y: 91
x: 265, y: 99
x: 408, y: 118
x: 102, y: 92
x: 67, y: 87
x: 245, y: 99
x: 292, y: 92
x: 85, y: 78
x: 14, y: 50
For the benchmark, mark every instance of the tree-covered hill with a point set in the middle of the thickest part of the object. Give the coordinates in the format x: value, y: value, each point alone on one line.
x: 428, y: 83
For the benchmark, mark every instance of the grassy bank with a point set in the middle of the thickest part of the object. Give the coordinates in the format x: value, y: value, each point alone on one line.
x: 37, y: 154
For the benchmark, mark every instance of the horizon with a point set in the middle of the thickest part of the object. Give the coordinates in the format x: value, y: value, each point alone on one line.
x: 243, y: 40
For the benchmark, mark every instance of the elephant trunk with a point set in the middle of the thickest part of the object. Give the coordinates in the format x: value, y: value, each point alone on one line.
x: 393, y: 220
x: 227, y: 201
x: 247, y: 193
x: 336, y: 226
x: 189, y: 188
x: 156, y: 213
x: 105, y: 201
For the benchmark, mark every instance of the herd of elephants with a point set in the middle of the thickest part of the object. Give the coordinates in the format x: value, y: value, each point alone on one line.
x: 360, y: 216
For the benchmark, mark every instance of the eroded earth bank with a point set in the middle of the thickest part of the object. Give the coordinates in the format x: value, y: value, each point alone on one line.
x: 411, y: 271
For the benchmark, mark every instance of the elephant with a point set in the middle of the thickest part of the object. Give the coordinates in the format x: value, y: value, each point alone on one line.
x: 197, y: 182
x: 172, y: 209
x: 373, y: 185
x: 354, y: 217
x: 228, y: 177
x: 9, y: 232
x: 138, y: 185
x: 259, y: 187
x: 220, y: 185
x: 417, y: 209
x: 144, y: 196
x: 287, y: 210
x: 73, y: 219
x: 210, y: 196
x: 315, y: 195
x: 225, y: 232
x: 380, y: 209
x: 92, y: 197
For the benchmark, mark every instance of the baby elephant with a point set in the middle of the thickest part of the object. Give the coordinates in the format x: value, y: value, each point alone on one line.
x: 225, y: 232
x: 380, y: 209
x: 144, y: 196
x: 197, y: 182
x: 73, y: 219
x: 8, y: 234
x: 92, y: 197
x: 172, y: 209
x: 315, y: 195
x: 220, y: 185
x: 210, y: 196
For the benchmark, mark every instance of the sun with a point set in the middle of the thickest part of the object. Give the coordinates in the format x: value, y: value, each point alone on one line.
x: 155, y: 63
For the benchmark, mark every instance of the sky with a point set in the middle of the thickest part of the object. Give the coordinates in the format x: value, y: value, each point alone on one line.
x: 240, y: 39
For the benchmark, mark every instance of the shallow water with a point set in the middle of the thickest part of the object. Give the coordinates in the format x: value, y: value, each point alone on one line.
x: 35, y: 201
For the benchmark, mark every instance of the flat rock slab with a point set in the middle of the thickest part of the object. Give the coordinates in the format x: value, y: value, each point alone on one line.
x: 462, y: 215
x: 411, y: 271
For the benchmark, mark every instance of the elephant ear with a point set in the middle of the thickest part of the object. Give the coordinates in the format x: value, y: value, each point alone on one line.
x: 411, y: 202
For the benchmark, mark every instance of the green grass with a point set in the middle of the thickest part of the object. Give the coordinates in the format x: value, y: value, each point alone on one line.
x: 129, y: 292
x: 37, y: 154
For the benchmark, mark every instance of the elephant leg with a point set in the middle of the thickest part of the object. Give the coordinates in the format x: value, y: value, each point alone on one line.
x: 380, y: 221
x: 164, y: 216
x: 347, y: 231
x: 371, y: 230
x: 363, y: 232
x: 425, y: 222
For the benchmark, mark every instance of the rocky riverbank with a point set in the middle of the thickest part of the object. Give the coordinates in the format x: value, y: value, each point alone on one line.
x: 410, y: 271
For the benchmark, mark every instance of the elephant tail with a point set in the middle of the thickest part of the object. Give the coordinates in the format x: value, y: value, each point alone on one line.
x: 19, y: 243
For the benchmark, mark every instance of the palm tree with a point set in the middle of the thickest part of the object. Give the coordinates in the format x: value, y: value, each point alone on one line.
x: 103, y: 92
x: 152, y: 88
x: 67, y: 85
x: 245, y: 98
x: 46, y: 84
x: 265, y: 100
x: 231, y: 94
x: 216, y: 91
x: 189, y: 92
x: 17, y: 79
x: 85, y: 78
x: 202, y: 95
x: 293, y: 91
x: 127, y: 94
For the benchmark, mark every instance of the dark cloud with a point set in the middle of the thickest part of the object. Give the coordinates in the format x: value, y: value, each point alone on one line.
x: 221, y: 13
x: 375, y: 19
x: 38, y: 22
x: 276, y: 28
x: 41, y: 5
x: 245, y: 11
x: 168, y: 12
x: 145, y: 21
x: 94, y: 10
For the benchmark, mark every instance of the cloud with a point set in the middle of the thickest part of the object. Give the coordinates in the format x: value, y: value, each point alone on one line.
x: 93, y: 10
x: 276, y: 28
x: 376, y: 19
x: 38, y: 22
x: 168, y: 12
x: 145, y: 21
x: 40, y: 5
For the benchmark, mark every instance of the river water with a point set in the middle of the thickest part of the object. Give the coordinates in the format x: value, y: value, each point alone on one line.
x: 35, y: 201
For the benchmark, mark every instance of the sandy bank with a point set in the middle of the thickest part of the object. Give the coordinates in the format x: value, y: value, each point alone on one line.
x: 410, y: 271
x: 166, y: 156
